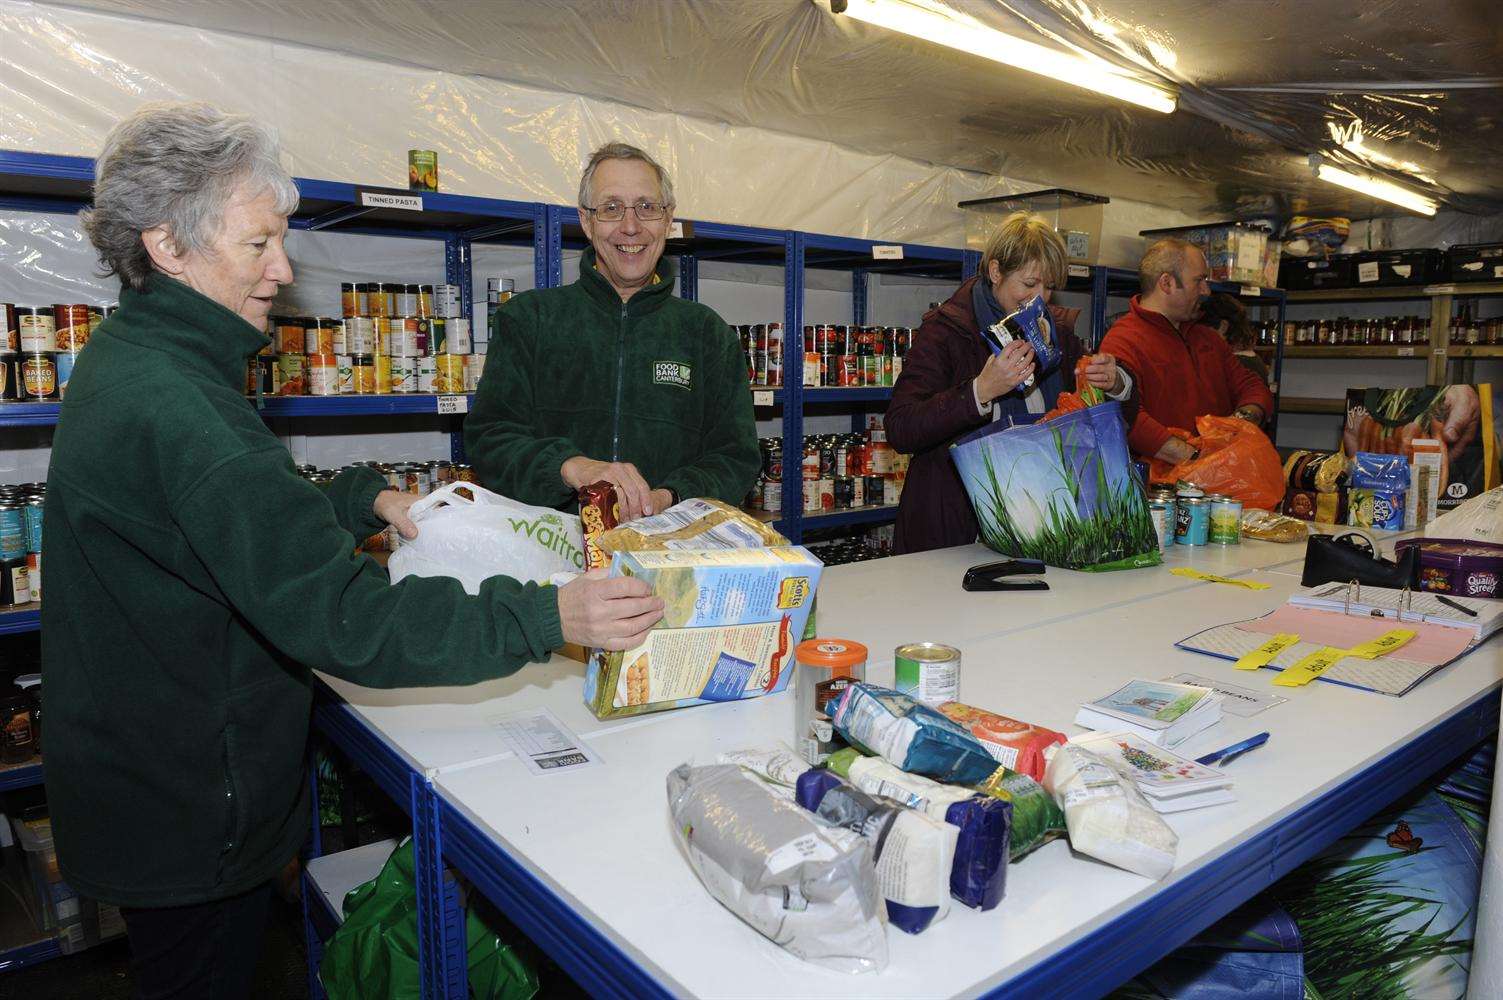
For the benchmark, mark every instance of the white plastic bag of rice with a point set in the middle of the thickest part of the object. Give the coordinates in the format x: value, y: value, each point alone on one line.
x: 809, y: 887
x: 1106, y: 816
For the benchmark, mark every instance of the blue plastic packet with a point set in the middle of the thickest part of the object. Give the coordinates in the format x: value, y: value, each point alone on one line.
x: 910, y: 735
x: 914, y: 853
x: 1379, y: 487
x: 1032, y: 323
x: 979, y: 876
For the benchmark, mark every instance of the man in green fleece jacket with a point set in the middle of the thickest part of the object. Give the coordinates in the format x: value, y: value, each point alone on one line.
x: 613, y: 377
x: 193, y: 579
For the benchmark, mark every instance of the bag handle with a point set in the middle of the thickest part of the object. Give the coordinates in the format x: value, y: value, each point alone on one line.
x: 445, y: 496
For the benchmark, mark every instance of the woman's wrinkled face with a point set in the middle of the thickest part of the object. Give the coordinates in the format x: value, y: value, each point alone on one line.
x: 1017, y: 287
x: 246, y: 262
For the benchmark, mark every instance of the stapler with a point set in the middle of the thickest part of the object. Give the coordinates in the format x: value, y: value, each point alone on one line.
x: 989, y: 576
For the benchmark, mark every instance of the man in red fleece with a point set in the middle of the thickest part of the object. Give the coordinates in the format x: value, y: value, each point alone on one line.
x: 1183, y: 369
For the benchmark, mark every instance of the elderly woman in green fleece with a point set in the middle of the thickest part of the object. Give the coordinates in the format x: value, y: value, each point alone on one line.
x: 194, y: 580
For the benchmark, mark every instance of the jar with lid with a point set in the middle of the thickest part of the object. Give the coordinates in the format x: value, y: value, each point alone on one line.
x: 825, y: 668
x: 16, y: 744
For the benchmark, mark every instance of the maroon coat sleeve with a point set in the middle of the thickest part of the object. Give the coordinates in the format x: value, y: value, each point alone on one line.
x: 933, y: 401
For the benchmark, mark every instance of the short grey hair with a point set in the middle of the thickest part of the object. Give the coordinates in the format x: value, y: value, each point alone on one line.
x: 1163, y: 256
x: 621, y: 151
x: 176, y: 165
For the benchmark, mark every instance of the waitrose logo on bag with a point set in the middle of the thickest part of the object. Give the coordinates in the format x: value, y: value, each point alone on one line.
x: 671, y: 373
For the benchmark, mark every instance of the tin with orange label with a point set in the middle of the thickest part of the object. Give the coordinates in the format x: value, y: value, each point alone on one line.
x: 289, y: 335
x: 323, y: 375
x: 363, y: 374
x: 70, y: 327
x: 38, y: 380
x: 291, y: 375
x: 448, y: 376
x: 383, y: 374
x: 318, y: 338
x: 349, y: 299
x: 826, y: 667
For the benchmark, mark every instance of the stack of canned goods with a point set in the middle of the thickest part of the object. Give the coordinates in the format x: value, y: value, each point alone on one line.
x: 391, y: 338
x: 763, y: 346
x: 856, y: 545
x: 40, y: 346
x: 418, y: 478
x: 1339, y: 331
x: 497, y: 291
x: 852, y: 356
x: 1187, y: 515
x: 837, y: 472
x: 21, y: 543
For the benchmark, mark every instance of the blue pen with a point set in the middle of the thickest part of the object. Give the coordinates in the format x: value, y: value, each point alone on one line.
x: 1227, y: 753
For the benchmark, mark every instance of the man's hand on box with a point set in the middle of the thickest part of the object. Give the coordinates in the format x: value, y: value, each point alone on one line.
x: 391, y: 506
x: 608, y: 613
x: 632, y: 492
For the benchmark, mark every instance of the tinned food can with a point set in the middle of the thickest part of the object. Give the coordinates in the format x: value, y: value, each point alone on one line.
x: 38, y: 378
x: 383, y: 374
x: 10, y: 336
x: 318, y: 337
x: 1225, y: 520
x: 292, y: 375
x: 427, y: 373
x: 1192, y: 523
x: 422, y: 170
x: 448, y: 374
x: 403, y: 374
x: 474, y: 367
x: 456, y: 337
x: 290, y: 335
x: 12, y: 530
x: 15, y: 582
x: 927, y: 671
x: 1161, y: 509
x: 344, y: 374
x: 323, y: 375
x: 363, y: 374
x: 70, y: 326
x: 35, y: 331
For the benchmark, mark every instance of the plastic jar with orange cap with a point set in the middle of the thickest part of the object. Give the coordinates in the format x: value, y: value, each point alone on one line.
x: 826, y: 667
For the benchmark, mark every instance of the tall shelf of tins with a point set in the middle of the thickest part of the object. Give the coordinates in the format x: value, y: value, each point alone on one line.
x: 450, y: 224
x: 1391, y: 336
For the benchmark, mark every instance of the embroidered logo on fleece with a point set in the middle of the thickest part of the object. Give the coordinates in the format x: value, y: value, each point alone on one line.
x: 671, y: 373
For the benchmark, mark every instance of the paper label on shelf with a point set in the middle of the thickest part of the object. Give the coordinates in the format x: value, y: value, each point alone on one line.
x: 1078, y: 270
x: 762, y: 397
x: 385, y: 199
x: 1249, y: 254
x: 1264, y: 654
x: 1406, y: 352
x: 887, y: 253
x: 1498, y: 270
x: 1403, y: 270
x: 1309, y: 668
x: 1251, y: 291
x: 453, y: 404
x: 543, y: 743
x: 676, y: 231
x: 1367, y: 271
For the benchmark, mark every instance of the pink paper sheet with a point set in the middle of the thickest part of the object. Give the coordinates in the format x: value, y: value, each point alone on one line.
x: 1432, y: 646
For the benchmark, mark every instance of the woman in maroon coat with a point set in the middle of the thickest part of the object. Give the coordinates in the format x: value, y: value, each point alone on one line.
x: 952, y: 383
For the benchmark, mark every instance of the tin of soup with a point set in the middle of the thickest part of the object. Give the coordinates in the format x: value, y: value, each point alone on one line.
x: 323, y: 375
x: 70, y: 327
x: 36, y: 332
x: 927, y: 671
x: 1225, y: 520
x: 291, y: 375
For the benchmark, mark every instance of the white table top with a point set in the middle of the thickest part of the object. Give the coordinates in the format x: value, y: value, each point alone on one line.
x: 1036, y: 656
x: 882, y: 603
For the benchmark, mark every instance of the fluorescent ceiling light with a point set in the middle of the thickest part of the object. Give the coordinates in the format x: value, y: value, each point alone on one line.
x: 1351, y: 140
x: 935, y: 23
x: 1377, y: 188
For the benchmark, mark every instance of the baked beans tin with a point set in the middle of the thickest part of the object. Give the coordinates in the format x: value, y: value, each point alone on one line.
x: 363, y: 374
x: 291, y: 378
x: 38, y: 378
x: 10, y: 336
x: 35, y: 330
x: 474, y: 367
x: 927, y: 671
x: 70, y: 327
x: 15, y: 583
x: 360, y: 335
x: 323, y: 375
x: 427, y: 373
x: 1192, y: 520
x: 344, y: 374
x: 456, y: 337
x: 318, y: 338
x: 448, y: 374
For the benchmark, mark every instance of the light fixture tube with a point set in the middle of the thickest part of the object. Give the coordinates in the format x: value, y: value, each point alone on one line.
x: 1377, y: 188
x: 935, y: 24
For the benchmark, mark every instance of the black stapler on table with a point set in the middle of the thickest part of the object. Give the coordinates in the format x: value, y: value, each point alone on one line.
x: 989, y: 576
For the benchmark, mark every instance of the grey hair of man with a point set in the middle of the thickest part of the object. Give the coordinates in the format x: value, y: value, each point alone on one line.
x: 176, y: 165
x: 1164, y: 256
x: 621, y: 151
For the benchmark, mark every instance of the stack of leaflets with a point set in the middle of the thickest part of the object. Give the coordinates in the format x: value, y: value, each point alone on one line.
x: 1163, y: 713
x: 1169, y: 782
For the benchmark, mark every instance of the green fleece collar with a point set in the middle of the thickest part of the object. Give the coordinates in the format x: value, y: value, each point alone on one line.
x: 644, y: 300
x: 171, y: 317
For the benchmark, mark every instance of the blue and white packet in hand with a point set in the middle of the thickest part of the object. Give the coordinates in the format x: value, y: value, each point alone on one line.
x: 1032, y: 323
x: 910, y: 735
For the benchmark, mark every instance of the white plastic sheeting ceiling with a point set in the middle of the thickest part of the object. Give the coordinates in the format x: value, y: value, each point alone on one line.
x: 1261, y: 81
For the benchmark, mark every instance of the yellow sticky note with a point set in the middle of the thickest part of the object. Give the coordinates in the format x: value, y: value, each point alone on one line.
x: 1309, y: 668
x: 1383, y: 644
x: 1264, y: 654
x: 1195, y: 574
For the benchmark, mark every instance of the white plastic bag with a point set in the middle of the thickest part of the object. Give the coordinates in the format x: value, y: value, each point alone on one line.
x: 489, y: 535
x: 1479, y: 519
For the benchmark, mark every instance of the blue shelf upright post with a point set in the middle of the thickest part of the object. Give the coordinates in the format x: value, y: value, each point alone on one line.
x: 688, y: 277
x: 548, y: 246
x: 970, y: 263
x: 858, y: 297
x: 1098, y: 305
x: 457, y: 271
x: 793, y: 385
x: 440, y: 921
x: 311, y: 943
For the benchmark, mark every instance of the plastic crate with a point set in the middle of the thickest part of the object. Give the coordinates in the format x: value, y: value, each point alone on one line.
x: 1475, y: 262
x: 1306, y: 273
x: 50, y: 901
x: 1390, y: 268
x: 1234, y: 251
x: 1079, y: 218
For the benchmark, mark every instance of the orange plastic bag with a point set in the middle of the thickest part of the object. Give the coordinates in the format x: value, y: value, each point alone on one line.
x: 1236, y: 459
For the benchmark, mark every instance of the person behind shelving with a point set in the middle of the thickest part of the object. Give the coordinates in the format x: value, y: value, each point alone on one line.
x: 613, y: 377
x: 1224, y: 314
x: 1184, y: 368
x: 952, y: 383
x: 194, y: 578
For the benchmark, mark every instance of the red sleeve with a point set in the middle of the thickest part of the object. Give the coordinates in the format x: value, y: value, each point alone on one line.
x: 932, y: 401
x: 1146, y: 435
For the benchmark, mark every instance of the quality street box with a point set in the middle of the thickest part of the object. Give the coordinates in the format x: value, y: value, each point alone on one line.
x: 730, y: 622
